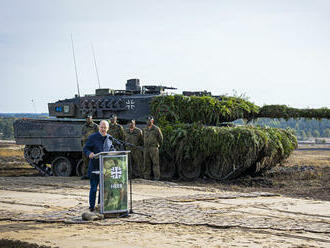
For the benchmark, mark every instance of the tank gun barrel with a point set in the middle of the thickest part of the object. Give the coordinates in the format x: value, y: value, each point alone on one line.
x: 211, y: 110
x: 283, y: 111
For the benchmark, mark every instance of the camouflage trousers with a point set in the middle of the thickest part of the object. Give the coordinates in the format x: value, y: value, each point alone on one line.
x: 85, y: 164
x: 137, y: 163
x: 151, y: 162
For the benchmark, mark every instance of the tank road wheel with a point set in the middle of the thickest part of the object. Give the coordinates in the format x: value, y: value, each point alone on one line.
x: 167, y: 168
x: 214, y: 169
x: 80, y: 168
x: 61, y: 166
x: 217, y: 169
x: 188, y: 170
x: 34, y: 154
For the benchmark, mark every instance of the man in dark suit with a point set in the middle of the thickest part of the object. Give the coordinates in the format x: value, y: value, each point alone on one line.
x: 97, y: 142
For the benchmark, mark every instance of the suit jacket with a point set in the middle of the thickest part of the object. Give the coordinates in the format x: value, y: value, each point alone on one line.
x: 95, y: 144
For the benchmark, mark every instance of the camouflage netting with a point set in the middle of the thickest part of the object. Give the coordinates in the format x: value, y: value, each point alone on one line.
x: 215, y: 110
x: 206, y: 109
x: 283, y: 111
x: 193, y: 150
x: 223, y: 152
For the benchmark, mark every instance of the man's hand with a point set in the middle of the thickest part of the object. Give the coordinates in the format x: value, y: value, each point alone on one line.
x: 91, y: 155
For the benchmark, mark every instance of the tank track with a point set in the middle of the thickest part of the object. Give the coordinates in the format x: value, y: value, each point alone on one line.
x: 43, y: 169
x: 35, y: 155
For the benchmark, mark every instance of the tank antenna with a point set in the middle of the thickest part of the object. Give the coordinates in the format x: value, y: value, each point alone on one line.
x: 95, y: 65
x: 34, y: 106
x: 75, y: 65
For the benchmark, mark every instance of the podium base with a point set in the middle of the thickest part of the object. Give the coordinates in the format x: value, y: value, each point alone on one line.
x: 116, y: 215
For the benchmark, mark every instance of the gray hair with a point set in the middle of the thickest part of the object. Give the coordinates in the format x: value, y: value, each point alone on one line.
x: 106, y: 123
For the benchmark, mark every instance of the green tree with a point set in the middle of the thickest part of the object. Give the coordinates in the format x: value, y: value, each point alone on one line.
x: 309, y: 134
x: 316, y: 133
x: 6, y: 128
x: 326, y: 133
x: 303, y: 135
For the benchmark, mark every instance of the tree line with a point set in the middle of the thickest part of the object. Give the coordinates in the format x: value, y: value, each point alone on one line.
x: 7, y: 120
x: 6, y: 128
x: 303, y: 128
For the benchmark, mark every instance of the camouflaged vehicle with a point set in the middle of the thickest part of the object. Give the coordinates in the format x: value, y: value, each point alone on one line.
x: 199, y: 138
x: 52, y: 145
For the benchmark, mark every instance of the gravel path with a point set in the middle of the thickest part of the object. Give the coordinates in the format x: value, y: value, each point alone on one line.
x: 47, y: 211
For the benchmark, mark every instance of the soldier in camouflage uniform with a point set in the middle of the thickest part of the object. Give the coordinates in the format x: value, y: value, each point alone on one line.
x: 88, y: 128
x: 133, y: 135
x: 153, y: 138
x: 116, y: 130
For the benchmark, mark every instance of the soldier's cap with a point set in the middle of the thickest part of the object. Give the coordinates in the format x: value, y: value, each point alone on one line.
x: 113, y: 116
x: 89, y: 116
x: 132, y: 121
x: 150, y: 118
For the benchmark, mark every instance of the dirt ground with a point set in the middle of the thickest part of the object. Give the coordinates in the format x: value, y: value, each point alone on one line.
x: 288, y: 206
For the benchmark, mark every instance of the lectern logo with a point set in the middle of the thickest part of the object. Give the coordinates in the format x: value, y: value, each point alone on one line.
x: 116, y: 172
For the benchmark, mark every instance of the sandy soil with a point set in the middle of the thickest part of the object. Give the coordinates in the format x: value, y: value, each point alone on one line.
x: 46, y: 211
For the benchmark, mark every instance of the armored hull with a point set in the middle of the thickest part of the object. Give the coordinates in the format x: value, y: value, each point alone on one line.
x: 51, y: 145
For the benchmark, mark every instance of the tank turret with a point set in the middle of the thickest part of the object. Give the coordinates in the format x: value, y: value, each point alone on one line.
x: 131, y: 103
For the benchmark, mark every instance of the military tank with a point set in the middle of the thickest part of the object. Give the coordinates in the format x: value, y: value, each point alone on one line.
x: 52, y: 145
x: 200, y: 139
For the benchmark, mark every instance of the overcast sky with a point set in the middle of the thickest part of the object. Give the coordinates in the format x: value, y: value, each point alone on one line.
x: 274, y: 52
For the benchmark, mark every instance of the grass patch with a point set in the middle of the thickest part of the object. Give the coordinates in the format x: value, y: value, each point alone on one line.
x: 6, y: 152
x: 314, y: 158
